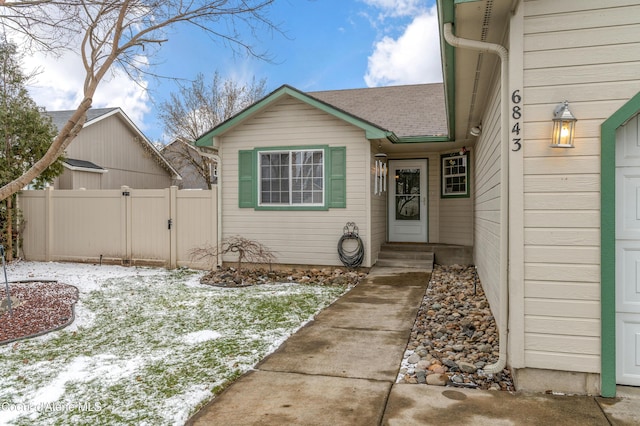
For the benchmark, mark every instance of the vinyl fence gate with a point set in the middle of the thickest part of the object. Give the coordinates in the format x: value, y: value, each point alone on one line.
x: 128, y: 226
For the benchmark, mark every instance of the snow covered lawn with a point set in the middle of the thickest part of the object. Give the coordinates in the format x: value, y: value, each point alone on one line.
x: 147, y: 347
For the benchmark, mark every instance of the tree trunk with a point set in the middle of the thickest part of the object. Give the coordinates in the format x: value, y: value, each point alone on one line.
x: 64, y: 138
x: 9, y: 250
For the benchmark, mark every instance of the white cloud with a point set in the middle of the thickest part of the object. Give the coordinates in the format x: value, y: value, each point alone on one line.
x: 414, y: 57
x: 397, y: 7
x: 59, y: 86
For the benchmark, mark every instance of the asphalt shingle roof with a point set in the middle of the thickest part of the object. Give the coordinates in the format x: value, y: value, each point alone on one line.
x: 60, y: 118
x: 409, y: 110
x: 82, y: 163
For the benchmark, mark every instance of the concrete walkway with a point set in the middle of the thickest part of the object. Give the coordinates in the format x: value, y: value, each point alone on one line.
x: 341, y: 369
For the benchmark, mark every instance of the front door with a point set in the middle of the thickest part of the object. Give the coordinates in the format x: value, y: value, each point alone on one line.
x: 408, y: 201
x: 628, y: 253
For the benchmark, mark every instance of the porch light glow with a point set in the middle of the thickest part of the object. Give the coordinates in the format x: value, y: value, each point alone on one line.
x: 564, y: 125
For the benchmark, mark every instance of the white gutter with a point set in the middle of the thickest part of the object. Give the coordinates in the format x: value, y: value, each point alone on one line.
x: 216, y: 158
x: 503, y: 326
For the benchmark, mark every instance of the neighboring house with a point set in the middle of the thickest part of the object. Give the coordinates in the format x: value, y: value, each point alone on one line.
x: 109, y: 152
x: 555, y: 231
x: 187, y: 160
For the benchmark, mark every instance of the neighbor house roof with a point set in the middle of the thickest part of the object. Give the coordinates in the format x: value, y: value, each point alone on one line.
x: 83, y: 165
x: 60, y: 118
x: 399, y: 114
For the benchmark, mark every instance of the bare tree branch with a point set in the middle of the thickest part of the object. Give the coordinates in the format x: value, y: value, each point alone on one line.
x: 246, y: 249
x: 114, y: 33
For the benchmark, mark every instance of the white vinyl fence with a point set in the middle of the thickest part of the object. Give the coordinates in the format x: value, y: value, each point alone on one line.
x: 128, y: 226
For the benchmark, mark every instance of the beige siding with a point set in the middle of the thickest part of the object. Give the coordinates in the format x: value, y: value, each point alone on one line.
x: 297, y: 237
x: 588, y: 53
x: 486, y: 172
x: 110, y: 144
x: 456, y: 221
x: 78, y: 179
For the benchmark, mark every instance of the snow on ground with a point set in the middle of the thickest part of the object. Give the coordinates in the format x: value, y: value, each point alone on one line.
x: 148, y: 346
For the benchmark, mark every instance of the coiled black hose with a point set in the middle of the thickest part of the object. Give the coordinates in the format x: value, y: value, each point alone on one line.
x: 351, y: 258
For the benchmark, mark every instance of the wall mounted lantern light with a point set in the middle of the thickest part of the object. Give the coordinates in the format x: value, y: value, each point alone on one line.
x: 564, y: 126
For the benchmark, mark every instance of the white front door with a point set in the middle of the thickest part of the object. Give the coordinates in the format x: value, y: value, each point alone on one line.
x: 408, y: 201
x: 628, y: 254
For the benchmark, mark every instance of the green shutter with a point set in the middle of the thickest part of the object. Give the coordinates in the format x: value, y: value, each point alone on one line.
x: 337, y: 178
x: 246, y: 179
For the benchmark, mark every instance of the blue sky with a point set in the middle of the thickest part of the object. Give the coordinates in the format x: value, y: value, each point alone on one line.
x: 327, y: 45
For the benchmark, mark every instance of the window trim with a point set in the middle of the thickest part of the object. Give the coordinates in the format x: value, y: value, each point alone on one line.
x: 334, y: 158
x: 467, y: 192
x: 290, y: 151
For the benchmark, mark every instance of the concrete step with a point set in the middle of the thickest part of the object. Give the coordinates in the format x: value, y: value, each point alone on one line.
x: 420, y: 255
x: 406, y: 247
x: 406, y: 264
x: 410, y: 256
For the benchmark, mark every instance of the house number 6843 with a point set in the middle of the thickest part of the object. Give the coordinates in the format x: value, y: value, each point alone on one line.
x: 516, y: 114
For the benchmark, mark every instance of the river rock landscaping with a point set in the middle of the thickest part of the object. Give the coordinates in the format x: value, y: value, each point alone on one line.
x: 232, y: 277
x: 455, y: 335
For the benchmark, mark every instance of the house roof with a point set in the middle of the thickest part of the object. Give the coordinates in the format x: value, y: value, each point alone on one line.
x: 408, y: 111
x: 366, y: 109
x: 83, y: 165
x: 94, y: 115
x: 60, y: 118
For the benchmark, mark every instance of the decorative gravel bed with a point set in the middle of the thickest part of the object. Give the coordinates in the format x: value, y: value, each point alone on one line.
x: 37, y: 308
x: 231, y: 277
x: 455, y: 335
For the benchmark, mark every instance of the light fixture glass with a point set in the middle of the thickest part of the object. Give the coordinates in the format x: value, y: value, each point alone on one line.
x: 380, y: 154
x: 476, y: 130
x: 564, y: 125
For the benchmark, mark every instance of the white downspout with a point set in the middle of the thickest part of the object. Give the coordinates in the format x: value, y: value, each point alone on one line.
x: 216, y: 158
x: 502, y: 52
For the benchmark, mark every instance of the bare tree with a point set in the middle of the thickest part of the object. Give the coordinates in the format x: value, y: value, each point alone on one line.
x: 119, y: 33
x: 247, y: 250
x: 196, y: 109
x: 200, y: 106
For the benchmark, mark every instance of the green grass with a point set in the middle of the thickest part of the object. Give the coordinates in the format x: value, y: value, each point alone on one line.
x: 132, y: 360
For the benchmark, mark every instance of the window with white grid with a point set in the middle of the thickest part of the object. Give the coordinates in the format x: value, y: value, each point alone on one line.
x: 291, y: 177
x: 455, y: 176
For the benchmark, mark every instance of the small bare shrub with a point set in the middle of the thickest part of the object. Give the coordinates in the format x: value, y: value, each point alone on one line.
x: 247, y: 250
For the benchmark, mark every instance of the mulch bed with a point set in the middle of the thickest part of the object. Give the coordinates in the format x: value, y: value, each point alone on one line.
x: 38, y: 308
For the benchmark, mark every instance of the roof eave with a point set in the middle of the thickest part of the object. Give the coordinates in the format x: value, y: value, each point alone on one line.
x: 423, y: 139
x: 446, y: 14
x: 84, y: 169
x: 371, y: 131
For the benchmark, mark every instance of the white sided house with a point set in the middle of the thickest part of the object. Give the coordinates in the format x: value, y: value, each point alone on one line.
x: 297, y: 167
x: 555, y: 230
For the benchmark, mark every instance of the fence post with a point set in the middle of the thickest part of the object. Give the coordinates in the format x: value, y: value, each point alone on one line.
x: 216, y: 217
x: 126, y: 232
x: 173, y: 229
x: 48, y: 223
